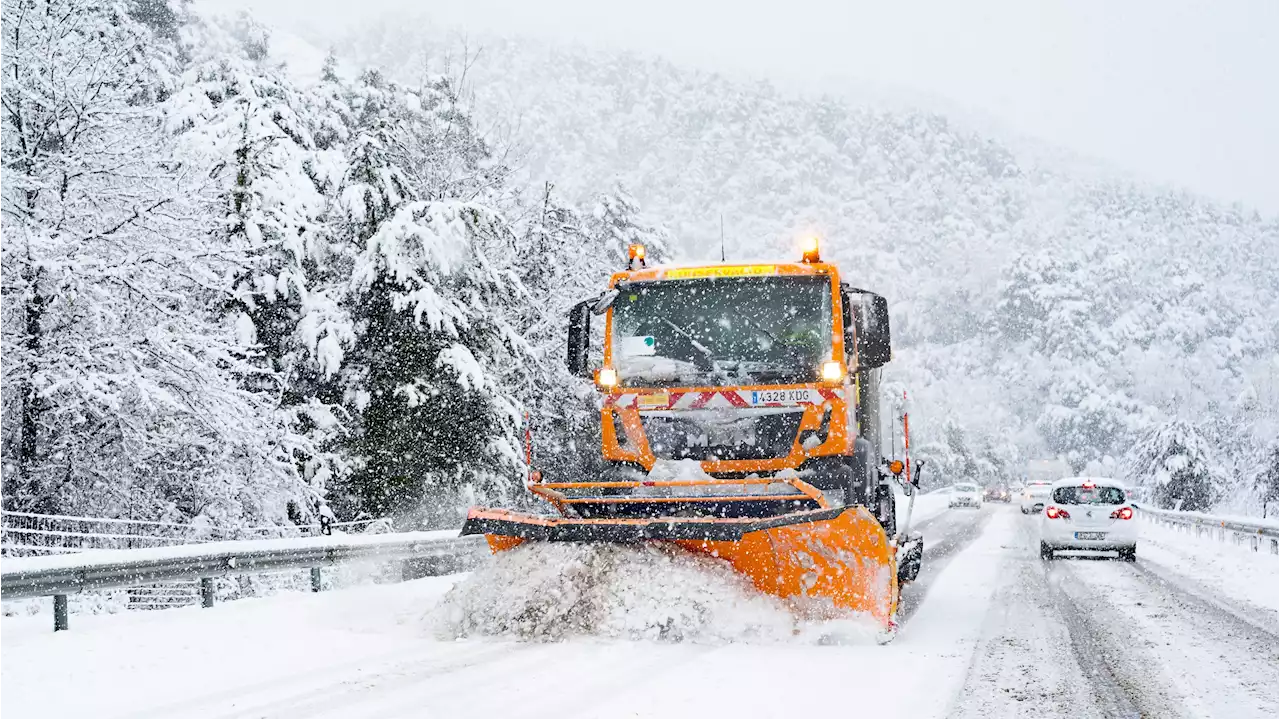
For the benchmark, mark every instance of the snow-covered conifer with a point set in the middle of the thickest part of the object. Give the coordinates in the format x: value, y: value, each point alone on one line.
x: 1175, y: 465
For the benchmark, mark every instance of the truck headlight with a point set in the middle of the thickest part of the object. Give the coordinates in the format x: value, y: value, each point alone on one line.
x: 832, y: 371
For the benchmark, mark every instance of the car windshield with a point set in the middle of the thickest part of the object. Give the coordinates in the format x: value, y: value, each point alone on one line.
x: 966, y: 487
x: 722, y: 331
x: 1088, y: 495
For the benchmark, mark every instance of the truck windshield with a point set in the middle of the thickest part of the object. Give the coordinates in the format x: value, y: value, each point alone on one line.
x: 722, y: 331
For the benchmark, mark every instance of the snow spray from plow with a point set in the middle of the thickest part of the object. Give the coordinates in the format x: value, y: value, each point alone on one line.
x: 639, y: 592
x: 829, y: 560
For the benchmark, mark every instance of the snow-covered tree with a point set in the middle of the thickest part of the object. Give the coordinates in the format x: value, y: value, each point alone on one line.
x: 273, y: 184
x: 559, y: 266
x: 123, y: 394
x: 434, y: 425
x: 1175, y: 466
x: 614, y: 223
x: 1265, y: 473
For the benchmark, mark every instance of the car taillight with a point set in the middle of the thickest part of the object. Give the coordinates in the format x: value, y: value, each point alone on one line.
x: 1123, y: 513
x: 1056, y: 513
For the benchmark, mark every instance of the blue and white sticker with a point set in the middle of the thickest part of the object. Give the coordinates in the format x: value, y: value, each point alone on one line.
x: 639, y: 346
x: 781, y: 396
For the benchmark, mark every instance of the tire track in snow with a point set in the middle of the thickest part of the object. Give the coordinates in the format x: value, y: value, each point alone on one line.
x: 1109, y: 695
x: 1163, y: 653
x: 1024, y: 664
x: 1113, y: 692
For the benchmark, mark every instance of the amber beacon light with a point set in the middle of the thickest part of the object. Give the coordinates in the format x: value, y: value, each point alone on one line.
x: 809, y: 246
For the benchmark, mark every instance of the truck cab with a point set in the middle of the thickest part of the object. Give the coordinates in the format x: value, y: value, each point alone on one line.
x: 746, y: 369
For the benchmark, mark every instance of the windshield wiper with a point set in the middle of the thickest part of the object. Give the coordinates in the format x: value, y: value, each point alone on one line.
x: 707, y: 353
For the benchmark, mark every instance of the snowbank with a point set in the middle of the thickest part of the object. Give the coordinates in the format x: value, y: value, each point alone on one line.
x: 927, y: 506
x: 1225, y: 569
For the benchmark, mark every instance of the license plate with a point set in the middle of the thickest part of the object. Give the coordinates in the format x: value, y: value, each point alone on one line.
x: 780, y: 396
x: 1091, y: 535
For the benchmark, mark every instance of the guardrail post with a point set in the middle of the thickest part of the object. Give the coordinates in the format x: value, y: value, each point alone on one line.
x: 206, y: 592
x: 1253, y: 542
x: 1275, y: 546
x: 60, y: 623
x: 315, y: 579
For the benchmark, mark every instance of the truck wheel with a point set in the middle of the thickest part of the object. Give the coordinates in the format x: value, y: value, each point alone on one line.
x: 1046, y: 553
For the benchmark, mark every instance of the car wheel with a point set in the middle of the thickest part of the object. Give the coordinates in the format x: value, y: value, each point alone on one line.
x: 1129, y: 554
x: 1046, y: 553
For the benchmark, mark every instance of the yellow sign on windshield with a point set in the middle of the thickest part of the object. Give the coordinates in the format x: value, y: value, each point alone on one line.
x: 688, y: 273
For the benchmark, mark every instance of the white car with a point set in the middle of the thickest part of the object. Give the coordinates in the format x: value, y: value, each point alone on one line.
x: 965, y: 495
x: 1034, y: 496
x: 1090, y: 513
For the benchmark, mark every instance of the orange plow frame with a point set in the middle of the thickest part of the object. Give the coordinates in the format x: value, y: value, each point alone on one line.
x: 827, y: 561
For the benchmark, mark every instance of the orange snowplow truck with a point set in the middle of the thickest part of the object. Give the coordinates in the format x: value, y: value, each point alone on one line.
x: 740, y: 418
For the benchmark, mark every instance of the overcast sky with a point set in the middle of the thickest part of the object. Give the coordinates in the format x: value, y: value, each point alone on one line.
x: 1186, y: 93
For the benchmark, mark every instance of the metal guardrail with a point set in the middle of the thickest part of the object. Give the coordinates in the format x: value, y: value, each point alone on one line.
x: 25, y: 534
x: 1256, y: 533
x: 61, y: 575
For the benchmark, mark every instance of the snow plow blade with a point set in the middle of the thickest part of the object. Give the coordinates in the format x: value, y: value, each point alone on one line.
x: 827, y: 562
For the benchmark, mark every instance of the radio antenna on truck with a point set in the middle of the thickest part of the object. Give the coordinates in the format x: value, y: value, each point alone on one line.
x: 722, y: 237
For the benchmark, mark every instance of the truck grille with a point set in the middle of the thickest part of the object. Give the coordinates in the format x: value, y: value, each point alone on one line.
x: 761, y: 437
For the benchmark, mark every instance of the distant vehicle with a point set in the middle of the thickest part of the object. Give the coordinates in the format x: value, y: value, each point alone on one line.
x: 996, y: 494
x: 1091, y: 513
x: 1034, y: 496
x: 1047, y: 470
x: 965, y: 495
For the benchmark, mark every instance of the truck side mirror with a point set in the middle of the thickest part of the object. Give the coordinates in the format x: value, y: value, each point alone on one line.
x: 870, y: 324
x: 874, y: 346
x: 603, y: 304
x: 579, y: 338
x: 915, y: 476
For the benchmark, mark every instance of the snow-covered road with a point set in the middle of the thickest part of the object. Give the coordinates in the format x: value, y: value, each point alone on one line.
x: 1093, y: 637
x: 989, y: 631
